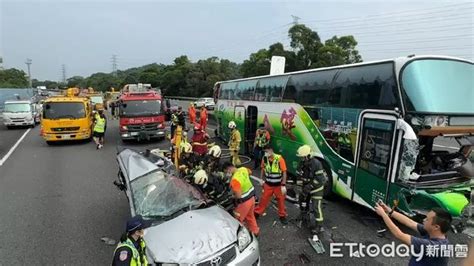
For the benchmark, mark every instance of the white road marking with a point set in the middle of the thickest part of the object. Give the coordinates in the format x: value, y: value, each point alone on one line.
x: 447, y: 147
x: 12, y: 149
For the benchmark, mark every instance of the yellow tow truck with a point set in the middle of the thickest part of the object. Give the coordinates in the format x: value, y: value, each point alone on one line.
x: 66, y: 117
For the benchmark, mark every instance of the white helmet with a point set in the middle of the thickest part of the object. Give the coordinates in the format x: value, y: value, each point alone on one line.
x: 232, y: 124
x: 215, y: 151
x: 303, y: 151
x: 200, y: 177
x: 186, y: 147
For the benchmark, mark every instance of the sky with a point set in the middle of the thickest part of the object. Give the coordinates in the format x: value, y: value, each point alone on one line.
x: 84, y: 35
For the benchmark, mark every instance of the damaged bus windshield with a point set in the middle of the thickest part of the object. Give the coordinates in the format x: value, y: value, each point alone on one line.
x: 449, y: 84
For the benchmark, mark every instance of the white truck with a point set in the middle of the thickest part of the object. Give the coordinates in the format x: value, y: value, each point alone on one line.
x: 20, y: 113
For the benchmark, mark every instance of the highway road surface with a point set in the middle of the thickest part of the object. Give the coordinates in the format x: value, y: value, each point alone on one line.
x: 57, y: 202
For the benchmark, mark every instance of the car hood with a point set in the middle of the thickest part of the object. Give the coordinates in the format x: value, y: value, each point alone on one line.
x: 134, y: 164
x: 192, y: 236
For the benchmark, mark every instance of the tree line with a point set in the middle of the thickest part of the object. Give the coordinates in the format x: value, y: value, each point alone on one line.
x: 196, y: 79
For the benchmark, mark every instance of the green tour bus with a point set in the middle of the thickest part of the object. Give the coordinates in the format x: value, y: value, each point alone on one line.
x: 398, y: 130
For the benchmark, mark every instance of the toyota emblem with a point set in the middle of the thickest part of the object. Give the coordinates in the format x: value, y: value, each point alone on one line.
x: 216, y: 261
x: 143, y: 127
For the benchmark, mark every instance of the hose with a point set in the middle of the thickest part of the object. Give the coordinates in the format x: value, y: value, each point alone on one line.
x: 246, y: 160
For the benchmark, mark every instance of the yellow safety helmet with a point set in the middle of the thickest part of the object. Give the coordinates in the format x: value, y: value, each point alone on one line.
x: 186, y: 147
x: 215, y: 151
x: 303, y: 151
x: 200, y: 177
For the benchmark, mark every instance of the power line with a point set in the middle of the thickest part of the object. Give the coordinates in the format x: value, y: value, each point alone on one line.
x: 425, y: 48
x: 408, y: 31
x: 405, y: 13
x: 419, y: 21
x: 240, y: 41
x: 28, y: 64
x: 420, y: 40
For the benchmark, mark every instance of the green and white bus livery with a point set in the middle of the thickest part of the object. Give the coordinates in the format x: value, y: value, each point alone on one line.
x: 383, y: 130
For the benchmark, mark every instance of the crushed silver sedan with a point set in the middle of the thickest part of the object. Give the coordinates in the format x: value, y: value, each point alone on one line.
x: 187, y: 228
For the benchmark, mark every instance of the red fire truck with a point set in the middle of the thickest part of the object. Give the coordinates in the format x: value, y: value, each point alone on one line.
x: 141, y: 116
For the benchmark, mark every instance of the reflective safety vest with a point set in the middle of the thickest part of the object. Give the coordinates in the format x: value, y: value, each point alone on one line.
x: 99, y: 126
x: 136, y: 261
x: 242, y: 176
x: 273, y: 173
x: 343, y: 139
x: 174, y: 119
x: 261, y: 139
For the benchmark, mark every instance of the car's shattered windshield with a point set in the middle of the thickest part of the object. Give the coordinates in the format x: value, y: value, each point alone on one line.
x: 157, y: 195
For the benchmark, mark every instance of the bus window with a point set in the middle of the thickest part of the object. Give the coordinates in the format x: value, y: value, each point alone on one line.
x: 224, y: 95
x: 247, y: 89
x: 368, y: 87
x: 237, y: 94
x: 227, y: 91
x: 313, y: 88
x: 270, y: 89
x: 261, y: 94
x: 289, y: 95
x: 275, y: 94
x: 334, y: 98
x: 216, y: 92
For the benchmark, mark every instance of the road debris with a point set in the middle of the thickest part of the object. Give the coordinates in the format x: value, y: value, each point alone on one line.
x: 108, y: 241
x: 317, y: 244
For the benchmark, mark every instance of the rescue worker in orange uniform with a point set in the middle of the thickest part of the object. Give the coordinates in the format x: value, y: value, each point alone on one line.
x: 203, y: 118
x: 273, y: 173
x: 199, y: 140
x: 192, y: 114
x: 244, y: 194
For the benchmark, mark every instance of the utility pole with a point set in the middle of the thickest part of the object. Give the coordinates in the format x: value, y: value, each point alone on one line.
x: 28, y: 64
x: 295, y: 19
x: 114, y: 65
x: 63, y: 70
